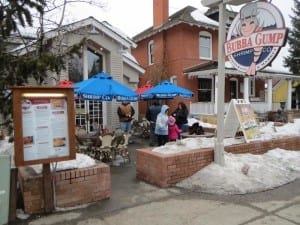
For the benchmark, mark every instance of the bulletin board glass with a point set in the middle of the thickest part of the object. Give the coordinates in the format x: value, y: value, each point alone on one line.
x: 44, y: 128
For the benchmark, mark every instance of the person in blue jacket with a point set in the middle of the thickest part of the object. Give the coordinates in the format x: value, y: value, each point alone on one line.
x: 161, y: 125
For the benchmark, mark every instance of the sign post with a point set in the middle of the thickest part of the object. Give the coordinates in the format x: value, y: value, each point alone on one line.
x: 44, y: 130
x: 219, y: 144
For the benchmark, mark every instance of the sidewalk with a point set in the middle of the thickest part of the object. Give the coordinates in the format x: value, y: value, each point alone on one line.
x: 135, y: 202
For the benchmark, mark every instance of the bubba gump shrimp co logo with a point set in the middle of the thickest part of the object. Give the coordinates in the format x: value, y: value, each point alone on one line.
x: 255, y: 37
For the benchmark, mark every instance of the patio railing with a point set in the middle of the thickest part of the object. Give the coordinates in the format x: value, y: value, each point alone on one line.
x: 207, y: 108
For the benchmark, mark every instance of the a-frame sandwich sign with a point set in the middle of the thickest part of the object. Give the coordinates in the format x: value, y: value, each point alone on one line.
x: 241, y: 116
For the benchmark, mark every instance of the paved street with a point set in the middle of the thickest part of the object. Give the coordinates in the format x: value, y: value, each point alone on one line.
x: 135, y: 202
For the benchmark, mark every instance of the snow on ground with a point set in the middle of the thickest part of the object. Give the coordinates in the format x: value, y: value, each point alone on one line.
x: 267, y: 171
x: 242, y: 173
x: 263, y: 172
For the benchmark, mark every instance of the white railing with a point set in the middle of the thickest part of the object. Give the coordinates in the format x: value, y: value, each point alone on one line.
x: 207, y: 108
x: 202, y: 108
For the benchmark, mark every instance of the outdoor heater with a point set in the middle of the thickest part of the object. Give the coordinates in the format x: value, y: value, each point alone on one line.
x: 219, y: 143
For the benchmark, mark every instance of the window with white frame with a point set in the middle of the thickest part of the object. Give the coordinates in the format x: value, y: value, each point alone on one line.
x: 205, y: 45
x: 173, y: 79
x: 233, y: 88
x: 95, y: 62
x: 252, y: 87
x: 151, y: 52
x: 204, y: 90
x: 87, y: 113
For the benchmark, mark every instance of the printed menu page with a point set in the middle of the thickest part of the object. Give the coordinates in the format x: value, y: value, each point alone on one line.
x: 45, y: 128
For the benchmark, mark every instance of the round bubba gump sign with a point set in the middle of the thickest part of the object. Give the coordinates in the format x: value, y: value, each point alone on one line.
x: 255, y: 37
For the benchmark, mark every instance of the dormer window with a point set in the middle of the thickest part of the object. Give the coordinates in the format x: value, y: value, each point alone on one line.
x: 205, y: 45
x: 151, y: 52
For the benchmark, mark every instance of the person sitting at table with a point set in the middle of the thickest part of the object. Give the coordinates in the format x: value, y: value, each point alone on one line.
x: 174, y: 131
x: 196, y: 129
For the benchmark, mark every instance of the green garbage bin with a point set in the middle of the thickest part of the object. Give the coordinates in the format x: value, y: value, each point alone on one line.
x: 4, y: 188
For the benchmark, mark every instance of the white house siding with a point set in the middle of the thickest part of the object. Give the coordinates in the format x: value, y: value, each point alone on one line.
x: 131, y: 78
x: 116, y: 70
x: 112, y: 51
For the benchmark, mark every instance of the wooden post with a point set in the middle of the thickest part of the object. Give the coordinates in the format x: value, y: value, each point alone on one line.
x: 13, y: 194
x: 48, y: 189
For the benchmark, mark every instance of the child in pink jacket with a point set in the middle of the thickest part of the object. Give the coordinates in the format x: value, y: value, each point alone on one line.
x: 174, y: 131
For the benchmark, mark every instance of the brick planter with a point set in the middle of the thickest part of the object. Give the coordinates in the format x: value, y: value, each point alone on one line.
x: 164, y: 170
x: 72, y: 187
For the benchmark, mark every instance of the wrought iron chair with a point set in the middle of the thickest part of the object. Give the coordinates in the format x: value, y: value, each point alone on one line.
x: 81, y: 146
x: 105, y: 150
x: 121, y: 147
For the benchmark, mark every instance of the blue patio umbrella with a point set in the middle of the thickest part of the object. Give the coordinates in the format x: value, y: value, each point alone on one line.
x: 166, y: 90
x: 102, y: 87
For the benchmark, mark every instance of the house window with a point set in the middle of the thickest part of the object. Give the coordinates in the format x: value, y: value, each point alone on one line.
x: 233, y: 88
x: 75, y: 65
x: 75, y: 69
x: 204, y: 89
x: 252, y: 87
x: 173, y: 79
x: 95, y: 62
x: 88, y: 113
x: 151, y: 52
x: 205, y: 45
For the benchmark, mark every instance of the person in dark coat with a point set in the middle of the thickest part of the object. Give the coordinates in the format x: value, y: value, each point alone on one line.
x: 151, y: 116
x: 125, y: 113
x: 181, y: 115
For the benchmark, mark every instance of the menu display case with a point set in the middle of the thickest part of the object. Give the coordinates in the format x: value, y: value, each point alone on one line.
x: 44, y: 127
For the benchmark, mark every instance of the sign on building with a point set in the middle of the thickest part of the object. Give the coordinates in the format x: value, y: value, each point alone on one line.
x: 255, y: 37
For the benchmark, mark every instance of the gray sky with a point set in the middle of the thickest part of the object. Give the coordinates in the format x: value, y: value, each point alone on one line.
x: 134, y: 16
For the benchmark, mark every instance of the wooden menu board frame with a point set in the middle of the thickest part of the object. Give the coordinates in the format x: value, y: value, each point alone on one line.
x: 44, y: 125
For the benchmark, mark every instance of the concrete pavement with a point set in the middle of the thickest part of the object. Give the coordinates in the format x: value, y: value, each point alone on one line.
x: 135, y: 202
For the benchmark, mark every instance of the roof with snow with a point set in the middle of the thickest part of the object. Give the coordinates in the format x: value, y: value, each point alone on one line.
x: 188, y: 15
x: 96, y: 26
x: 209, y: 68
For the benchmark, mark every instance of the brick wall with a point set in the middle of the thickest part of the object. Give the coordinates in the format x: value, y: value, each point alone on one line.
x: 165, y: 170
x: 288, y: 143
x: 72, y: 187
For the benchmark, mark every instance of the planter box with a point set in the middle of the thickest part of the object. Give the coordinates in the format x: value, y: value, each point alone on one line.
x: 72, y: 187
x: 164, y: 170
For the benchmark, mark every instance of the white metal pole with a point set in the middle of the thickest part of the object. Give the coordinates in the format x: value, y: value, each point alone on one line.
x: 219, y: 143
x: 270, y: 101
x: 246, y: 88
x: 289, y: 95
x: 216, y: 95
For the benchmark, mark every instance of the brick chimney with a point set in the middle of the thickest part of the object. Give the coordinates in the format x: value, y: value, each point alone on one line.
x: 160, y: 12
